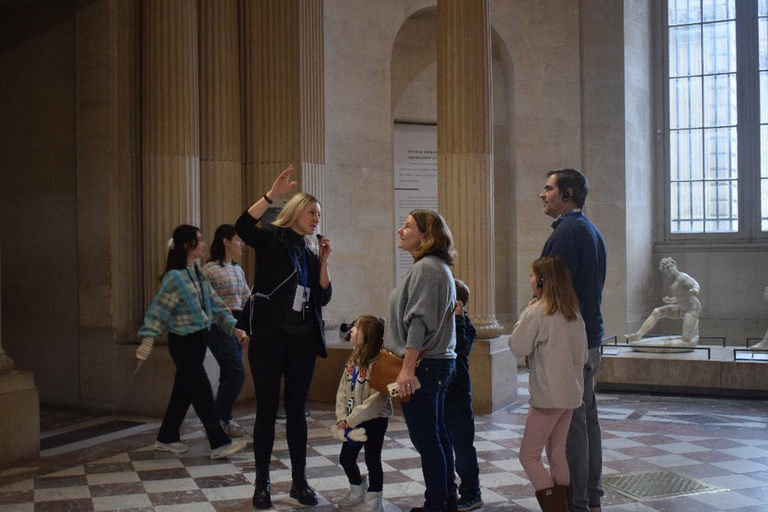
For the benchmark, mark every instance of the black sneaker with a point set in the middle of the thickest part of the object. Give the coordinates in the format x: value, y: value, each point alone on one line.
x: 466, y: 504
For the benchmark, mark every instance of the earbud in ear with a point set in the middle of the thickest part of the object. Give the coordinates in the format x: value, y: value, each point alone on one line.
x: 540, y: 284
x: 365, y: 340
x: 566, y: 196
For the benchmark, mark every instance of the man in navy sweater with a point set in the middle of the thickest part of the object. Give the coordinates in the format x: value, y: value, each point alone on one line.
x: 578, y: 241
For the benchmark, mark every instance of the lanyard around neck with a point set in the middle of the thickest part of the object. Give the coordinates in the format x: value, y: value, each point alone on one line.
x: 302, y: 269
x: 198, y: 290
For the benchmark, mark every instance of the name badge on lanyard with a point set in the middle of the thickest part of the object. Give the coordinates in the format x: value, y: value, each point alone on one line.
x: 351, y: 401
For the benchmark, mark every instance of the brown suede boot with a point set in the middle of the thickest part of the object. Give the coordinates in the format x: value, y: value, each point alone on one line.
x: 553, y: 499
x: 569, y: 496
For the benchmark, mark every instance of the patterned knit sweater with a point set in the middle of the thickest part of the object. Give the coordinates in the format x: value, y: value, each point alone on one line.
x: 368, y: 403
x: 228, y: 279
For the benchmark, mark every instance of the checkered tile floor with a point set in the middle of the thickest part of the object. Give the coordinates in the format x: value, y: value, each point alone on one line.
x: 724, y: 442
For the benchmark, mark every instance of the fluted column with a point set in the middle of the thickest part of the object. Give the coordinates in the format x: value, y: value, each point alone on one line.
x: 464, y: 148
x: 170, y: 124
x: 220, y: 154
x: 312, y: 100
x: 6, y: 363
x: 283, y: 94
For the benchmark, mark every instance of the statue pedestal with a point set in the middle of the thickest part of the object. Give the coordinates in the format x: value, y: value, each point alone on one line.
x: 658, y: 344
x: 492, y: 365
x: 20, y: 417
x: 684, y: 373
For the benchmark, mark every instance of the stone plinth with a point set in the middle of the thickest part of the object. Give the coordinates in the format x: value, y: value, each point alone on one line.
x: 147, y: 393
x: 20, y: 420
x: 686, y: 373
x: 494, y: 375
x: 492, y: 365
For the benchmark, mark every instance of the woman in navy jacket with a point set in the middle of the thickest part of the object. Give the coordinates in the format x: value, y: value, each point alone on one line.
x: 284, y: 317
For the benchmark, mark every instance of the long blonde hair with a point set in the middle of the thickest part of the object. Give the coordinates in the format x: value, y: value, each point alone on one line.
x: 556, y: 286
x: 291, y: 212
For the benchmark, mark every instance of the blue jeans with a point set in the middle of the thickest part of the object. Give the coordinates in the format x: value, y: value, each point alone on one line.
x: 424, y: 415
x: 584, y: 446
x: 229, y: 355
x: 460, y: 422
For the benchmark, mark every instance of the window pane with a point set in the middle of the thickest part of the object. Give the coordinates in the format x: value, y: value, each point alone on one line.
x: 764, y: 175
x: 685, y: 157
x: 685, y: 51
x: 720, y: 100
x: 721, y: 205
x: 684, y: 11
x: 721, y: 157
x: 764, y: 207
x: 763, y: 29
x: 719, y: 47
x: 685, y: 106
x: 715, y: 10
x: 763, y: 97
x: 764, y: 151
x: 762, y: 8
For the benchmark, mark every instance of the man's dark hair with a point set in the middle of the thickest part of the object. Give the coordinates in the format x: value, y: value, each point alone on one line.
x: 572, y: 179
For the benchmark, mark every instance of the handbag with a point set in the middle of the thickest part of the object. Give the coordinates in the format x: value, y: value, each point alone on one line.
x: 385, y: 372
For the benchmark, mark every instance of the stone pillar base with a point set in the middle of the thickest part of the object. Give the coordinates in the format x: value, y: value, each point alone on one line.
x: 147, y: 393
x: 494, y: 375
x: 20, y: 420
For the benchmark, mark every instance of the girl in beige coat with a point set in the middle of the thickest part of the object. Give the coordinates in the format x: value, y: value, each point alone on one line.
x: 552, y: 334
x: 358, y: 406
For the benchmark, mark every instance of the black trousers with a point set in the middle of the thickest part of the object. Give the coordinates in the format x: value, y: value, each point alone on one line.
x: 191, y: 386
x: 291, y: 357
x: 375, y: 430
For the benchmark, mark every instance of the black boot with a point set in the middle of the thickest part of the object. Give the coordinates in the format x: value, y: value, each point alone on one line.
x: 300, y: 490
x: 261, y: 496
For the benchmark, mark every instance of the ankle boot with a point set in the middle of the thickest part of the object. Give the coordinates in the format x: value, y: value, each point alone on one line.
x: 355, y: 496
x: 373, y: 503
x: 553, y: 499
x: 300, y: 490
x: 261, y: 495
x: 569, y: 496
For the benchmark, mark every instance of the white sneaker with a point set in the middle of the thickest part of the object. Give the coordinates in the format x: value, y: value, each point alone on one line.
x: 233, y: 429
x: 176, y: 447
x: 228, y: 449
x: 355, y: 496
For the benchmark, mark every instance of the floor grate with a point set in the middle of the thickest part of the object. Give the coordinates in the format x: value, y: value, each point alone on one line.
x: 651, y: 485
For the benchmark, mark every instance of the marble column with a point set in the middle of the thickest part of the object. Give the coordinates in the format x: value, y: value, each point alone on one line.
x: 283, y: 94
x: 464, y: 149
x: 221, y: 198
x: 19, y: 412
x: 170, y: 129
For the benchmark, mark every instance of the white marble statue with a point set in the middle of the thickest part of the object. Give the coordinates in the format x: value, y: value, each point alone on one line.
x: 764, y: 343
x: 683, y: 304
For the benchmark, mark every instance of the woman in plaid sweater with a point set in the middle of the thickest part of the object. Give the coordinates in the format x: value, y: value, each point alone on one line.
x: 185, y: 307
